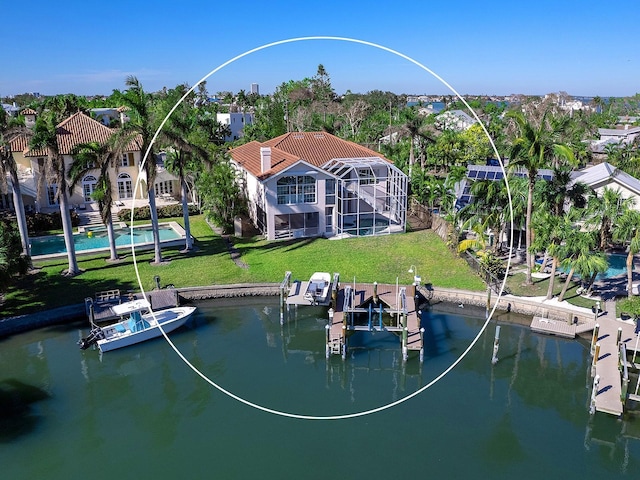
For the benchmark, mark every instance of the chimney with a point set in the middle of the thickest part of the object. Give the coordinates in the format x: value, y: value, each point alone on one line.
x: 265, y: 159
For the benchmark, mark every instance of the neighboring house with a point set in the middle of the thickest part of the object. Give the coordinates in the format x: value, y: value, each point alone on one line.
x: 620, y: 135
x: 614, y: 136
x: 606, y: 175
x: 454, y: 120
x: 236, y: 122
x: 29, y: 115
x: 490, y: 171
x: 39, y: 193
x: 108, y: 115
x: 11, y: 109
x: 307, y: 184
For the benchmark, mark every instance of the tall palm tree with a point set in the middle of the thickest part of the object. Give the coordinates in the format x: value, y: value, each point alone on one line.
x: 88, y: 157
x: 579, y: 256
x: 532, y: 150
x: 45, y: 138
x: 603, y: 210
x: 185, y: 151
x: 142, y: 126
x: 627, y: 229
x: 9, y: 171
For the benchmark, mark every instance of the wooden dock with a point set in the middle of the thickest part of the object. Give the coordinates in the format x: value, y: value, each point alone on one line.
x: 357, y: 310
x: 553, y: 327
x: 99, y: 308
x: 608, y: 397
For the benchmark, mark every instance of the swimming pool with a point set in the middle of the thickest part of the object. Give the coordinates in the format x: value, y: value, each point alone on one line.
x: 368, y: 226
x: 617, y: 266
x: 95, y: 238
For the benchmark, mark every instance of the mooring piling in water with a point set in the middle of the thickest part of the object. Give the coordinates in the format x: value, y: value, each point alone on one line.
x: 496, y: 346
x: 594, y: 392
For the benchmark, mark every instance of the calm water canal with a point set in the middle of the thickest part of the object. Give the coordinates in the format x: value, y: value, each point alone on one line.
x: 142, y: 413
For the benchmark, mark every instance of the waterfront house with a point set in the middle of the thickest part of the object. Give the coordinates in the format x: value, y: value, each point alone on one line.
x: 597, y: 177
x: 39, y: 192
x: 307, y: 184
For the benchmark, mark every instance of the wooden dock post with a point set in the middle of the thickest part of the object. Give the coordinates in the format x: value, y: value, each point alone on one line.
x: 625, y: 373
x: 595, y: 359
x: 328, y: 346
x: 594, y: 392
x: 594, y: 338
x: 488, y: 302
x: 496, y: 346
x: 405, y: 350
x: 421, y: 344
x: 284, y: 286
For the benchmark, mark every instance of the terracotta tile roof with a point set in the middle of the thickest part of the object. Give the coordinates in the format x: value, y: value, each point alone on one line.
x: 80, y: 128
x: 315, y: 148
x: 28, y: 111
x: 19, y: 143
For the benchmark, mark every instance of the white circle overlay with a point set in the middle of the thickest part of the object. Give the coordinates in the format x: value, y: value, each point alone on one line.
x: 438, y: 377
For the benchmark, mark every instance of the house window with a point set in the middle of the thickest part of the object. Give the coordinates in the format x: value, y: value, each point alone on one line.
x: 164, y: 188
x: 127, y: 160
x: 328, y: 212
x: 330, y: 194
x: 52, y: 191
x: 88, y: 186
x: 296, y: 189
x: 125, y: 186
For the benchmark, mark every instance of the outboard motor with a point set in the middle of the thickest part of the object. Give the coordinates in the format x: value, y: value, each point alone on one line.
x: 94, y: 335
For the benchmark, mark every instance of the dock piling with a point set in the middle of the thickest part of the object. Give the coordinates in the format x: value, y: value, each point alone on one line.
x: 594, y: 392
x: 496, y: 346
x: 594, y: 338
x: 595, y: 359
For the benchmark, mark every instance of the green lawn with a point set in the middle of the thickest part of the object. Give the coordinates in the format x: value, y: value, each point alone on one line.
x: 516, y: 285
x: 383, y: 259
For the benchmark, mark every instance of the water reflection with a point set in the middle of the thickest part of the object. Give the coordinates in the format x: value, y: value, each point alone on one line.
x: 16, y: 413
x: 526, y: 414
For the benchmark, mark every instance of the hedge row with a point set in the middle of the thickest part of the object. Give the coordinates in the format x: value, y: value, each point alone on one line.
x: 45, y: 222
x: 144, y: 213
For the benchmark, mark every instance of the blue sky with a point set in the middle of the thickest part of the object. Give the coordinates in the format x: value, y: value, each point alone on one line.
x: 493, y: 47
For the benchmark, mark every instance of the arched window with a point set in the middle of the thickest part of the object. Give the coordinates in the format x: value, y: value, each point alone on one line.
x: 88, y: 186
x: 125, y: 186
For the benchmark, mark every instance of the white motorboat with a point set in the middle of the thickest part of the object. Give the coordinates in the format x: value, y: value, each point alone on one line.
x: 317, y: 291
x: 138, y: 324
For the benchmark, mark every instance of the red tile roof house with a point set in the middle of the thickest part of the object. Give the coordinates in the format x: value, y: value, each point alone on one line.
x: 310, y: 184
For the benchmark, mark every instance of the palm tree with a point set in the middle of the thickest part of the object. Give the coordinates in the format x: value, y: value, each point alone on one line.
x: 579, y: 256
x: 91, y: 156
x: 180, y: 160
x: 532, y: 150
x: 45, y: 138
x: 560, y: 192
x: 627, y: 229
x: 142, y: 126
x: 9, y: 168
x: 603, y: 209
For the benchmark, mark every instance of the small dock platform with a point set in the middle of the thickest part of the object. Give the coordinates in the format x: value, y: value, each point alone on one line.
x: 99, y: 309
x: 553, y: 327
